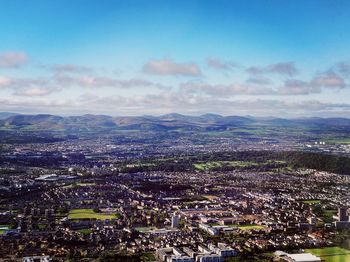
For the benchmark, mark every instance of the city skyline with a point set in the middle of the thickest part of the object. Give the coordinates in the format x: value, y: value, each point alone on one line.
x: 157, y: 57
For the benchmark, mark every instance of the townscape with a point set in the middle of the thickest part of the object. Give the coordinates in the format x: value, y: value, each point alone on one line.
x: 185, y: 198
x: 174, y: 131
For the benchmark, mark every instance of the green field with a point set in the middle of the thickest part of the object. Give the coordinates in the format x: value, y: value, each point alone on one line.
x: 148, y: 257
x: 325, y: 214
x: 85, y: 231
x: 250, y: 227
x: 89, y: 214
x: 219, y: 164
x: 42, y: 227
x: 3, y: 229
x: 311, y: 201
x: 344, y: 141
x: 331, y: 254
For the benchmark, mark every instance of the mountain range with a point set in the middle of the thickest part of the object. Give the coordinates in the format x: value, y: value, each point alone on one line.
x: 206, y: 122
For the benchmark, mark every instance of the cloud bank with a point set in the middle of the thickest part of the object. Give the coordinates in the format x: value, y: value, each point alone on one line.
x: 253, y: 89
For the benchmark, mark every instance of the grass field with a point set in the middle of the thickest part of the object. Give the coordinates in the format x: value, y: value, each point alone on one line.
x: 331, y: 254
x: 89, y: 214
x: 328, y: 214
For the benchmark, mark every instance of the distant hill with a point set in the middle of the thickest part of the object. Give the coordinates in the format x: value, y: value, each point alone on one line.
x: 4, y: 115
x: 207, y: 122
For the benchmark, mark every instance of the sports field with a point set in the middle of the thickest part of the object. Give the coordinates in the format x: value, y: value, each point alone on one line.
x: 250, y: 227
x: 89, y: 214
x: 331, y: 254
x: 247, y: 227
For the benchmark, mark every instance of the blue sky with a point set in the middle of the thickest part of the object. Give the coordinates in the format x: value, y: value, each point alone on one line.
x: 282, y: 58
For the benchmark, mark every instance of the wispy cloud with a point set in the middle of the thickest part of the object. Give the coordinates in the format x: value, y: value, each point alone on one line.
x: 13, y: 59
x: 221, y: 90
x: 298, y: 87
x: 5, y: 81
x: 168, y: 67
x: 90, y: 81
x: 42, y: 86
x: 342, y: 68
x: 13, y: 82
x: 166, y: 102
x: 29, y: 86
x: 219, y: 64
x: 259, y: 80
x: 71, y: 68
x: 35, y: 91
x: 282, y: 68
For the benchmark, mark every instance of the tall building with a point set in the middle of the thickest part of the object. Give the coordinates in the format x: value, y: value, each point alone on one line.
x: 312, y: 220
x: 175, y: 221
x: 343, y: 214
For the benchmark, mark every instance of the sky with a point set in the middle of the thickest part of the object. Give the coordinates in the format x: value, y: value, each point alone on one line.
x: 147, y: 57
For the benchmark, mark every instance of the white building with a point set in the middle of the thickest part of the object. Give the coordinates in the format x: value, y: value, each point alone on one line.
x: 302, y: 257
x: 172, y: 255
x: 37, y: 259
